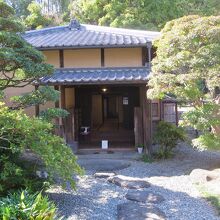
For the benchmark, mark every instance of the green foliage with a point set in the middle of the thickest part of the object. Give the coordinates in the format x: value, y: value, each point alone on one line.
x: 186, y: 49
x: 20, y: 6
x: 146, y: 159
x: 52, y: 113
x: 36, y: 19
x: 24, y: 205
x: 20, y: 63
x: 207, y: 140
x: 141, y: 14
x: 144, y: 14
x: 188, y: 66
x: 19, y: 132
x: 210, y: 196
x: 167, y: 135
x: 203, y: 117
x: 39, y: 96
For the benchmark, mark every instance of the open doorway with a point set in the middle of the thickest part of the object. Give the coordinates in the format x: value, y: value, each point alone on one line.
x: 112, y: 112
x: 109, y: 114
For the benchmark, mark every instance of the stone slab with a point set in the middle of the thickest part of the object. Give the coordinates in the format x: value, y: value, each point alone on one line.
x: 144, y: 196
x: 129, y: 182
x: 103, y: 165
x: 103, y: 175
x: 137, y: 211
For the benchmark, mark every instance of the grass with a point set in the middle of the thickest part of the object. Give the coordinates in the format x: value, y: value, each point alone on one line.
x: 214, y: 199
x: 145, y: 158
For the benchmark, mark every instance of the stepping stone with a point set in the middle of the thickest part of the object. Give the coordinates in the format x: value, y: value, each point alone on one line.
x: 143, y: 196
x: 137, y: 211
x: 129, y: 182
x: 104, y: 175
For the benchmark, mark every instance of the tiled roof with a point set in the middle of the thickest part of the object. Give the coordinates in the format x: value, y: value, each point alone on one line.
x: 88, y: 36
x: 85, y: 76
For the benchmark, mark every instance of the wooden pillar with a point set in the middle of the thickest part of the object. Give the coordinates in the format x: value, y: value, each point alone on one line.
x: 37, y: 107
x: 176, y: 112
x: 146, y: 120
x: 61, y: 58
x: 57, y: 120
x: 138, y: 126
x: 63, y: 97
x: 57, y: 103
x: 102, y: 57
x: 67, y: 122
x: 161, y: 109
x: 149, y: 47
x: 63, y: 106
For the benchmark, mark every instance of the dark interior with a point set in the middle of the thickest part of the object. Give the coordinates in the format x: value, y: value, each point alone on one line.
x: 108, y: 111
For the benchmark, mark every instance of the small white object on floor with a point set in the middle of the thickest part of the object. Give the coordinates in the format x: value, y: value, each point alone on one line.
x: 104, y: 144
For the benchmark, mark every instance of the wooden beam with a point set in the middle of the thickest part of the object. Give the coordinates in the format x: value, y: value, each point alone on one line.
x: 37, y: 107
x: 144, y: 56
x: 61, y: 58
x: 102, y: 57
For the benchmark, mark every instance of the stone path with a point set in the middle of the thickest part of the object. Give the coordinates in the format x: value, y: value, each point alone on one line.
x: 98, y: 199
x: 133, y: 210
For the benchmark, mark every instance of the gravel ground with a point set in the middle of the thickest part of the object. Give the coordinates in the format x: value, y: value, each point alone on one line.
x: 96, y: 199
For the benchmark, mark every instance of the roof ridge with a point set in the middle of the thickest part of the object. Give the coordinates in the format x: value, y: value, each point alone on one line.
x: 46, y: 29
x: 120, y: 31
x: 96, y: 28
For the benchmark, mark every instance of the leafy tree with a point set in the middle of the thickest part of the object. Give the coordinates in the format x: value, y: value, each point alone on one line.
x: 20, y: 7
x: 18, y: 133
x: 21, y: 64
x: 144, y: 14
x: 188, y: 66
x: 36, y: 19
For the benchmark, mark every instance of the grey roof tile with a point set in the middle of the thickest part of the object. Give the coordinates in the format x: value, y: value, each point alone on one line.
x: 88, y: 36
x: 86, y: 76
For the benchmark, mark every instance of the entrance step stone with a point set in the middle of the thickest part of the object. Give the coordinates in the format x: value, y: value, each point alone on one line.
x: 103, y: 175
x: 103, y: 165
x: 144, y: 196
x: 129, y: 182
x: 137, y: 211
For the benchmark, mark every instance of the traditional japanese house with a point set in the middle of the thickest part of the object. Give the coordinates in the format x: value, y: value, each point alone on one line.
x: 102, y: 75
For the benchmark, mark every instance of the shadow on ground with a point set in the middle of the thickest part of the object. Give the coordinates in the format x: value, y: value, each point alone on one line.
x: 90, y: 205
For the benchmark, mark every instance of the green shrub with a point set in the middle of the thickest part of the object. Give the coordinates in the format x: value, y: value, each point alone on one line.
x: 18, y: 132
x: 167, y: 136
x: 23, y: 206
x: 146, y: 159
